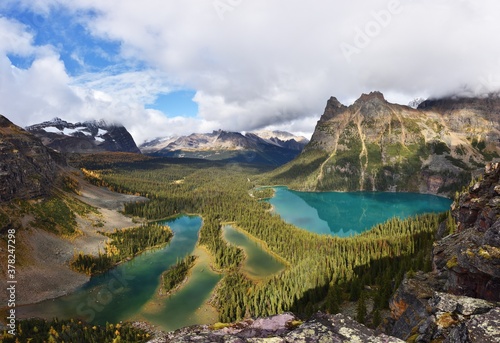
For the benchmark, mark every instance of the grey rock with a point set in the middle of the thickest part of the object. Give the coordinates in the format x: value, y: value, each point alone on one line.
x: 485, y: 328
x: 321, y: 328
x: 444, y: 302
x: 460, y: 334
x: 338, y: 328
x: 492, y: 235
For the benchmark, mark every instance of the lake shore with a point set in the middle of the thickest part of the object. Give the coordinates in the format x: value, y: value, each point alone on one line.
x: 46, y: 273
x: 204, y: 314
x: 263, y: 245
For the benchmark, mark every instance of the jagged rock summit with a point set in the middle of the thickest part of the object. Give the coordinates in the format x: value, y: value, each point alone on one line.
x: 85, y: 137
x: 375, y: 145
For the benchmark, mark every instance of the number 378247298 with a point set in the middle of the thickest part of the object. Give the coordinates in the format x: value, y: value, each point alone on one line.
x: 11, y: 249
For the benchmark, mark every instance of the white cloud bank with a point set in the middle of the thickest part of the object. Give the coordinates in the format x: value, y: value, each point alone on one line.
x: 256, y: 63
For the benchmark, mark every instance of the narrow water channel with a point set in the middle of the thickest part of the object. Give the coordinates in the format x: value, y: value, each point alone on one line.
x: 121, y: 293
x: 258, y: 262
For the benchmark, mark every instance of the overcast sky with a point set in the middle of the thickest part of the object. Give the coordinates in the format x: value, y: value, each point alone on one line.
x: 171, y: 67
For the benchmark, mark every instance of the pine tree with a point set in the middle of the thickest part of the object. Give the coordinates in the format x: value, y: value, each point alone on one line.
x: 332, y: 300
x: 361, y: 309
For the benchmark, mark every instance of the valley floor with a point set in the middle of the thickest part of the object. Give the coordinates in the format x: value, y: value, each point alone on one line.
x: 46, y: 273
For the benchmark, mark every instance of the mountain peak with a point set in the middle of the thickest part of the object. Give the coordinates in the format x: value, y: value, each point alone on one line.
x: 370, y: 97
x: 4, y: 122
x: 88, y: 136
x: 334, y: 102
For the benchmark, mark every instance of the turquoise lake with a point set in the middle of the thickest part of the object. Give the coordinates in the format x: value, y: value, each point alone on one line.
x: 345, y: 214
x: 123, y: 292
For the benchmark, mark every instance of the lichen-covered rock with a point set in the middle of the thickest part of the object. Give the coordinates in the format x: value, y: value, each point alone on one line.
x: 465, y: 306
x: 470, y: 258
x: 409, y: 303
x: 450, y: 318
x: 338, y: 328
x: 465, y: 282
x: 485, y: 328
x: 321, y: 328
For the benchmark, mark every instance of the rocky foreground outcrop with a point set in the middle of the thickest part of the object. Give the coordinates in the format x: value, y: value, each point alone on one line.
x: 282, y: 328
x: 459, y: 300
x: 470, y: 258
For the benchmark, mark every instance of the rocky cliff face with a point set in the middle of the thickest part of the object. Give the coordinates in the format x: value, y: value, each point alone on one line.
x: 459, y: 300
x: 470, y: 257
x: 86, y: 137
x: 27, y: 168
x: 376, y: 145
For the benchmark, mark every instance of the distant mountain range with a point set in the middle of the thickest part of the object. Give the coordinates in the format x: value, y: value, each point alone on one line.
x: 375, y: 145
x: 265, y: 147
x: 86, y: 137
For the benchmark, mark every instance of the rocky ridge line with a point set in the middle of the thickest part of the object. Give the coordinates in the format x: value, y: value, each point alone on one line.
x: 376, y: 145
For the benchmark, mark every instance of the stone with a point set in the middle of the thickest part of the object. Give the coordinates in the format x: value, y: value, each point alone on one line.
x: 320, y: 328
x: 485, y: 328
x: 338, y: 328
x: 465, y: 281
x: 465, y: 306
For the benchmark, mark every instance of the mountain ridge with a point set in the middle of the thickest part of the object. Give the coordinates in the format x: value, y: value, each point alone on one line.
x: 269, y: 147
x: 375, y: 145
x: 84, y: 137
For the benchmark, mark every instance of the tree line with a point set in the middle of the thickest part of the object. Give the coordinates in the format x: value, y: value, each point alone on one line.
x: 123, y: 244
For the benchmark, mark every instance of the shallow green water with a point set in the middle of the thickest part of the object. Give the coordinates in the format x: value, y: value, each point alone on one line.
x: 121, y: 293
x: 258, y: 262
x: 346, y: 214
x: 180, y: 309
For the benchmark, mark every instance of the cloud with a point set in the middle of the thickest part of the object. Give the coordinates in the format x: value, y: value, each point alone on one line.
x: 44, y: 90
x: 275, y: 63
x: 14, y: 38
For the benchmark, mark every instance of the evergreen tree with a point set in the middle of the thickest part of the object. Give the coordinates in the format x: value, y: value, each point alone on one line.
x: 361, y: 309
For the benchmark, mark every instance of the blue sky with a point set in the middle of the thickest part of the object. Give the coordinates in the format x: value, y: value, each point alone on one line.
x: 171, y: 67
x: 83, y: 53
x: 176, y: 103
